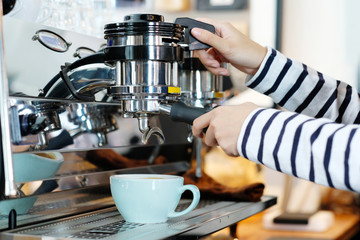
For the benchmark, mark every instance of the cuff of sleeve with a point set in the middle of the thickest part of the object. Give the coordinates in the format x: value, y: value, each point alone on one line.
x: 243, y: 129
x: 269, y: 71
x: 251, y: 78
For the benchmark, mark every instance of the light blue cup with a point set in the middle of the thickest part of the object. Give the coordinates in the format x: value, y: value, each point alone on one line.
x: 30, y: 167
x: 150, y: 198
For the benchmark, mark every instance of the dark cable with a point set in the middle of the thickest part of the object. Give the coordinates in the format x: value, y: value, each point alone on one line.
x: 70, y: 87
x: 93, y: 58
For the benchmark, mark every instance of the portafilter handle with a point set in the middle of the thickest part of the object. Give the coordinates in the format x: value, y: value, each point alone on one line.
x: 189, y: 24
x: 180, y: 112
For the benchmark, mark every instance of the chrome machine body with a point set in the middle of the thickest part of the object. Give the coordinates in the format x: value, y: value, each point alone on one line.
x: 146, y: 53
x: 199, y: 88
x: 74, y: 97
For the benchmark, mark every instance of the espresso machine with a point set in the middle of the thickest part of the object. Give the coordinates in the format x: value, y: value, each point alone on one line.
x: 71, y: 119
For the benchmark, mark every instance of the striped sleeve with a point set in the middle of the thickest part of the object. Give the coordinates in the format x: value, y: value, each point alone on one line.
x: 299, y: 88
x: 322, y: 143
x: 316, y: 149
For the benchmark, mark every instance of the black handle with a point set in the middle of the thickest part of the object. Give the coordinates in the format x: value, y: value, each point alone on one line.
x: 180, y: 112
x: 190, y: 23
x: 60, y: 141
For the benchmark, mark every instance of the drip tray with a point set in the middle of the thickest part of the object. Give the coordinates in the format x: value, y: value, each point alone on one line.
x: 208, y: 217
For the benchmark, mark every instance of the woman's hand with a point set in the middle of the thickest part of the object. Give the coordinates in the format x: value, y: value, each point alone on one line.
x: 224, y: 125
x: 228, y: 45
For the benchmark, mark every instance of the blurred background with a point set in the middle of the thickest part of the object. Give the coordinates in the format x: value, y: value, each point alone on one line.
x: 324, y: 34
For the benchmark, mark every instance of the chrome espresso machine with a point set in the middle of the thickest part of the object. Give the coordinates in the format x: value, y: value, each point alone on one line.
x: 77, y: 109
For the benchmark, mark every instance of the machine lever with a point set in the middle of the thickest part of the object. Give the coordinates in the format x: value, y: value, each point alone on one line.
x: 189, y: 24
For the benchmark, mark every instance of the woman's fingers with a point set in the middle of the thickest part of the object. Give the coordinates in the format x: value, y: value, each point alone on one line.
x: 210, y: 138
x: 210, y: 39
x: 201, y: 123
x: 211, y: 63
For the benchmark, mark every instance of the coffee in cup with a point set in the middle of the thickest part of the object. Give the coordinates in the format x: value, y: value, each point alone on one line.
x: 150, y: 198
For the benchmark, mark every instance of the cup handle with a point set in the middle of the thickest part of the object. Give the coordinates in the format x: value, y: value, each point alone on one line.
x: 194, y: 203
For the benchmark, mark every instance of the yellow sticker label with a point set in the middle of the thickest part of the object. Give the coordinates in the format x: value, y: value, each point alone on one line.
x: 174, y: 90
x: 219, y: 94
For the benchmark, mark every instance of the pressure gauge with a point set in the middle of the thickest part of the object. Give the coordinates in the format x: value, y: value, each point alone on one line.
x: 51, y: 40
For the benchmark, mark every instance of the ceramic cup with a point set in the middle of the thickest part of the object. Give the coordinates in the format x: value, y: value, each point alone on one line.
x: 150, y: 198
x: 31, y: 167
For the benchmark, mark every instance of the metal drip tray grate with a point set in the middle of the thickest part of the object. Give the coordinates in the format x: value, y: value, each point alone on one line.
x: 106, y: 230
x: 122, y: 226
x: 209, y: 216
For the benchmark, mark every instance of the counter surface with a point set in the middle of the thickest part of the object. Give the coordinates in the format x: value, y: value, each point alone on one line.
x: 345, y: 227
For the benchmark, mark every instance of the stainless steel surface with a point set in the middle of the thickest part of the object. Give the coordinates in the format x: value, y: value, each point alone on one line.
x: 30, y: 66
x: 81, y: 119
x: 93, y: 119
x: 148, y: 75
x: 165, y: 109
x: 147, y: 78
x: 209, y: 83
x: 131, y: 40
x: 145, y: 52
x: 109, y: 224
x: 149, y: 130
x: 93, y: 179
x: 9, y: 185
x: 201, y: 88
x: 93, y: 134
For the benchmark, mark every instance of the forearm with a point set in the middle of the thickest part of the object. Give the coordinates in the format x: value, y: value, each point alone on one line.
x: 299, y: 88
x: 318, y: 150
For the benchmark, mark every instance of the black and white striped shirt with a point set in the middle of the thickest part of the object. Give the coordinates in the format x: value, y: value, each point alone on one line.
x: 322, y: 143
